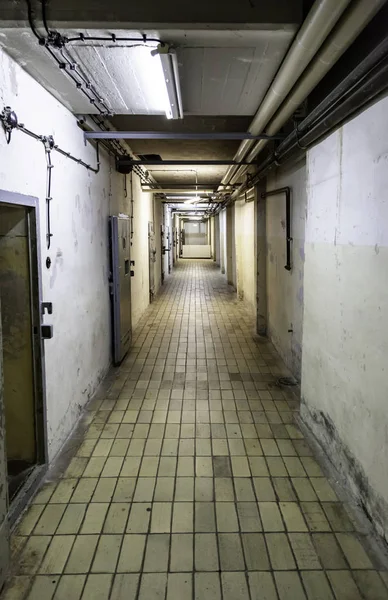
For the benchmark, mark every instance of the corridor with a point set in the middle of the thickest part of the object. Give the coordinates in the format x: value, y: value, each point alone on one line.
x: 189, y: 477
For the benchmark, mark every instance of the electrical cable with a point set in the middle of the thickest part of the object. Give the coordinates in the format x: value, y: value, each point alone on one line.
x: 44, y: 16
x: 31, y: 22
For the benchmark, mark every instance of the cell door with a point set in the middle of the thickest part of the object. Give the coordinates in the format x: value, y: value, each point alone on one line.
x: 4, y: 524
x: 163, y: 251
x: 151, y: 259
x: 120, y: 232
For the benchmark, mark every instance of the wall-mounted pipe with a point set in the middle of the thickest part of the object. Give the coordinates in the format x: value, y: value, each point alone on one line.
x: 351, y: 24
x: 366, y: 82
x: 321, y: 19
x: 287, y: 192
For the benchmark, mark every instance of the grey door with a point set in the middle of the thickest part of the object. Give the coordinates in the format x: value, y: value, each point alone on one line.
x: 151, y: 259
x: 120, y: 244
x: 162, y: 251
x: 4, y: 526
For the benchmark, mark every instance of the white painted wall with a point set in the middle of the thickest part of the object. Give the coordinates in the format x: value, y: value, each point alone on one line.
x: 345, y: 337
x: 285, y: 288
x: 78, y: 356
x: 245, y: 236
x: 194, y: 251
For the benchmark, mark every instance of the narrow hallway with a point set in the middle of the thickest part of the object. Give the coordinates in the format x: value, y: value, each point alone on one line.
x: 190, y: 478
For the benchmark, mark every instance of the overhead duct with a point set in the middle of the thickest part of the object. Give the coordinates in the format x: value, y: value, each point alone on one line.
x: 351, y: 24
x: 321, y: 19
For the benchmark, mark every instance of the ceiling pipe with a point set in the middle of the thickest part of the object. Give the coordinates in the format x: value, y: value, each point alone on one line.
x: 363, y: 85
x: 321, y: 19
x: 350, y: 26
x: 171, y: 135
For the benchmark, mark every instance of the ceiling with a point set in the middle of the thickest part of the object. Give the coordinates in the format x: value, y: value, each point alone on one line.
x: 224, y: 75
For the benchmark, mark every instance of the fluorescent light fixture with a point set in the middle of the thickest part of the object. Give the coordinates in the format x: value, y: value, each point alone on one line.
x: 193, y: 200
x: 169, y: 62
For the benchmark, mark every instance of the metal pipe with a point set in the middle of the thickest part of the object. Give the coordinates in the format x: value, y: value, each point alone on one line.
x: 321, y: 19
x: 287, y: 192
x: 181, y: 190
x: 366, y: 82
x: 170, y: 135
x: 130, y: 162
x: 352, y: 23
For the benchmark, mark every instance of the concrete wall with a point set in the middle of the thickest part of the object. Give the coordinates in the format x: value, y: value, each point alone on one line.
x: 345, y: 337
x: 285, y: 288
x: 245, y: 236
x: 78, y: 356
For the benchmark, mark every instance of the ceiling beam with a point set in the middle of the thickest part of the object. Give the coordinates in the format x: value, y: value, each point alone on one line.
x: 175, y: 135
x: 131, y: 163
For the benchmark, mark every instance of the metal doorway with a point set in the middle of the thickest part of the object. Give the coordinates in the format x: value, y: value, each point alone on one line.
x: 23, y: 451
x: 120, y: 244
x: 151, y: 259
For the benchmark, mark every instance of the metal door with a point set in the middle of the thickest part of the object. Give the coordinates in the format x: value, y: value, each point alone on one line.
x: 4, y: 524
x: 151, y: 259
x: 120, y: 232
x: 163, y: 251
x: 168, y: 248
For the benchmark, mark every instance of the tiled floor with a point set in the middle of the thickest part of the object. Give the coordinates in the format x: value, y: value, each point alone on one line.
x: 192, y: 480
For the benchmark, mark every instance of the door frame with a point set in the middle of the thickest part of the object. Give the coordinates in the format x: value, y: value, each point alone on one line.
x: 31, y: 204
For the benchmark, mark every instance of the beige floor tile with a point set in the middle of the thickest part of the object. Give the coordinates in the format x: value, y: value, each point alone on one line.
x: 97, y: 587
x: 29, y: 519
x: 16, y: 588
x: 131, y: 554
x: 263, y: 489
x: 261, y: 585
x: 226, y: 517
x: 292, y: 516
x: 57, y: 554
x: 164, y: 491
x: 337, y: 516
x: 124, y: 489
x: 231, y: 554
x: 304, y: 552
x: 206, y: 552
x: 256, y: 557
x: 167, y: 466
x: 70, y: 587
x: 161, y: 517
x: 204, y: 517
x: 104, y: 490
x: 157, y: 553
x: 343, y: 585
x: 179, y: 586
x: 316, y: 585
x: 108, y: 549
x: 244, y: 490
x: 116, y: 518
x: 270, y: 516
x: 289, y: 586
x: 32, y: 554
x: 207, y: 586
x: 279, y: 552
x: 182, y: 550
x: 94, y: 518
x: 76, y: 467
x: 203, y: 466
x: 82, y: 553
x: 84, y: 490
x: 112, y: 466
x: 329, y: 551
x: 183, y: 517
x: 204, y: 489
x: 144, y: 490
x: 354, y: 552
x: 223, y: 488
x: 234, y: 586
x: 240, y: 466
x: 248, y: 516
x: 323, y: 489
x: 125, y: 587
x: 315, y: 517
x: 153, y: 586
x: 139, y: 517
x: 184, y: 489
x: 49, y: 519
x: 131, y: 466
x: 43, y: 588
